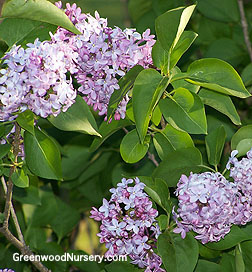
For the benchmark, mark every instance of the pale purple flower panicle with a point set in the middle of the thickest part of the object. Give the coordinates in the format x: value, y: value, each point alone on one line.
x: 241, y: 172
x: 104, y: 54
x: 205, y: 206
x: 128, y: 224
x: 6, y: 270
x: 13, y: 87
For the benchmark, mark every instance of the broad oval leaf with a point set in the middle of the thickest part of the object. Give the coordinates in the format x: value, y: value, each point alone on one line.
x: 131, y: 149
x: 26, y: 121
x: 178, y: 255
x: 185, y: 111
x: 148, y: 88
x: 20, y: 179
x: 170, y: 26
x: 42, y: 155
x: 217, y: 75
x: 224, y: 10
x: 160, y: 57
x: 77, y: 118
x: 246, y: 250
x: 178, y: 162
x: 171, y: 139
x: 4, y: 149
x: 158, y: 190
x: 242, y: 140
x: 184, y: 42
x: 221, y: 103
x: 215, y: 141
x: 38, y: 10
x: 235, y: 236
x: 206, y: 266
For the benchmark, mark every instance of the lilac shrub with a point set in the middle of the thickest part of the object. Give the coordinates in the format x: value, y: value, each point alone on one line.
x: 129, y: 226
x: 104, y: 55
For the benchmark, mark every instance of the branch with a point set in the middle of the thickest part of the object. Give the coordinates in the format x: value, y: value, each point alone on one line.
x: 153, y: 159
x: 14, y: 216
x: 245, y: 28
x: 8, y: 209
x: 8, y: 202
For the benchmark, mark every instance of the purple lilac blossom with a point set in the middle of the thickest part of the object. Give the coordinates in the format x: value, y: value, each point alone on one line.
x: 13, y: 87
x: 129, y: 226
x: 6, y: 270
x: 35, y: 78
x: 241, y: 172
x: 104, y: 54
x: 206, y: 206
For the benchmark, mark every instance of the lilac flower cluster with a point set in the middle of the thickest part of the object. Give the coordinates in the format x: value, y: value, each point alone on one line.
x: 128, y: 225
x: 206, y: 204
x: 6, y: 270
x: 241, y: 172
x: 35, y: 78
x: 104, y: 55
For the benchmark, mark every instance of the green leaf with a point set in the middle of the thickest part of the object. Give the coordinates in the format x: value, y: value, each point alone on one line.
x: 206, y: 266
x: 170, y: 26
x: 68, y: 215
x: 221, y: 103
x: 246, y: 249
x: 247, y: 75
x: 227, y: 263
x: 106, y: 130
x: 224, y: 11
x: 171, y: 139
x: 26, y: 120
x: 125, y: 84
x: 162, y: 145
x: 185, y: 111
x: 20, y: 179
x: 131, y: 149
x: 239, y: 263
x: 217, y: 75
x: 42, y: 155
x: 178, y: 255
x: 157, y: 189
x: 77, y: 118
x: 160, y: 57
x: 180, y: 82
x: 138, y: 8
x: 28, y: 195
x: 235, y: 236
x: 178, y: 162
x: 13, y: 30
x: 242, y: 140
x: 208, y: 253
x: 76, y: 158
x: 156, y: 116
x: 4, y: 149
x: 185, y: 41
x: 215, y: 141
x: 37, y: 10
x: 163, y: 221
x: 147, y: 90
x: 226, y: 49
